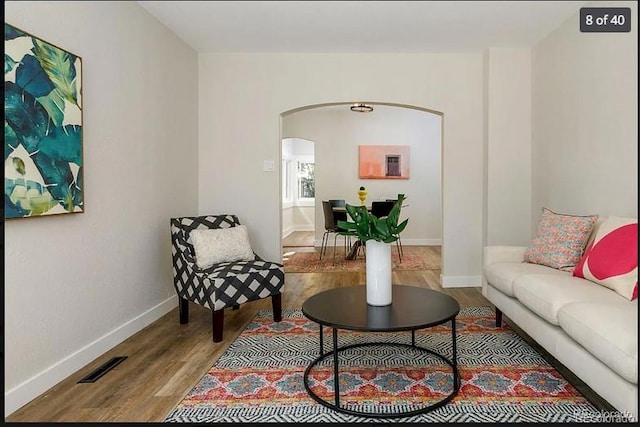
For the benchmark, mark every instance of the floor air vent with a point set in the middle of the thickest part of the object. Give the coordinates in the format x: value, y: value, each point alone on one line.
x: 109, y: 365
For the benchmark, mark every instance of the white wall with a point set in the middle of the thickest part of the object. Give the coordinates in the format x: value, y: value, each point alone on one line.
x: 298, y: 218
x: 249, y: 92
x: 585, y: 120
x: 338, y: 132
x: 77, y: 285
x: 508, y: 98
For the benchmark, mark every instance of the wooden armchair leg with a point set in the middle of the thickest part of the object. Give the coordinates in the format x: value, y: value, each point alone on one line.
x: 217, y: 318
x: 498, y: 318
x: 184, y: 311
x: 276, y: 304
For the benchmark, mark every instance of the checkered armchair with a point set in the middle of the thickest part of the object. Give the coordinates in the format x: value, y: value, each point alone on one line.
x: 227, y: 284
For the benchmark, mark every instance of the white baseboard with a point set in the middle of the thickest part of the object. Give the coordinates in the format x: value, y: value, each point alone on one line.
x: 24, y: 393
x: 286, y: 232
x: 461, y: 281
x: 303, y: 227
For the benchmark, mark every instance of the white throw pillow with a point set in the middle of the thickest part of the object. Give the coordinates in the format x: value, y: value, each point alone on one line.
x: 221, y: 245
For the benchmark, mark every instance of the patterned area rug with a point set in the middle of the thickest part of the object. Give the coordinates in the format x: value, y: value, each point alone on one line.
x: 414, y: 258
x: 260, y: 376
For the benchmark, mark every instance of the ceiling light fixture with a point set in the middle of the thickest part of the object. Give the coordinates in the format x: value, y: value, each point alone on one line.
x: 361, y: 108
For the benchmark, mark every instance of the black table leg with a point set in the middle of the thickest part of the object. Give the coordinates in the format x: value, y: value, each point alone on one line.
x: 454, y: 360
x: 413, y: 338
x: 321, y: 341
x: 336, y: 380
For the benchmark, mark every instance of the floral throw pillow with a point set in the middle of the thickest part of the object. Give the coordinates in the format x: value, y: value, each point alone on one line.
x: 560, y: 239
x: 611, y: 260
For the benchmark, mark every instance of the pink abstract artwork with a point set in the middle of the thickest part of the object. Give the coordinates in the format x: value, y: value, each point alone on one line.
x: 383, y: 162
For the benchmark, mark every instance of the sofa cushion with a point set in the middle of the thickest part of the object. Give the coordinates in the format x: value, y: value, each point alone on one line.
x: 608, y: 330
x: 546, y: 294
x: 611, y: 259
x: 502, y: 274
x: 560, y: 239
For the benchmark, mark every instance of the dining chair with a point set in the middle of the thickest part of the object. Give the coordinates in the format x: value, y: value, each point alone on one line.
x: 339, y: 203
x: 330, y: 227
x: 341, y: 215
x: 382, y: 208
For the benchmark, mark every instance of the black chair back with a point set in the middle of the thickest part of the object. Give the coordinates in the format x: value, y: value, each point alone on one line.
x: 338, y: 216
x: 329, y: 219
x: 381, y: 208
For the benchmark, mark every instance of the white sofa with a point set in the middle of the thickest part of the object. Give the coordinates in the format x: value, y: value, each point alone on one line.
x: 589, y: 328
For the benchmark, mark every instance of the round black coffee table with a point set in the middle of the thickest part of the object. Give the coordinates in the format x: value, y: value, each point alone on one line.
x: 412, y: 308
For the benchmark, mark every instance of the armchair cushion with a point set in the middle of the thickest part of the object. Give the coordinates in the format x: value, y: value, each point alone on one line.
x: 221, y: 245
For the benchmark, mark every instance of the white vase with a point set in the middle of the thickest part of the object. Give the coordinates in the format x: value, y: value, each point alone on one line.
x: 378, y: 273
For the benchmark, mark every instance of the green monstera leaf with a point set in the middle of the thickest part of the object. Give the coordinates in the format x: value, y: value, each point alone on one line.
x: 59, y: 67
x: 11, y: 33
x: 9, y: 63
x: 57, y: 151
x: 53, y: 102
x: 63, y: 144
x: 58, y: 177
x: 30, y: 198
x: 366, y: 226
x: 27, y: 118
x: 10, y: 140
x: 31, y: 77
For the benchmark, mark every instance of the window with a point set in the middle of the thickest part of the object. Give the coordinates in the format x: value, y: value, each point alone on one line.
x: 393, y: 164
x: 298, y: 173
x: 306, y: 180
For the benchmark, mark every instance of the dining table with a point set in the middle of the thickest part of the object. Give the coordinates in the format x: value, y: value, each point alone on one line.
x: 344, y: 209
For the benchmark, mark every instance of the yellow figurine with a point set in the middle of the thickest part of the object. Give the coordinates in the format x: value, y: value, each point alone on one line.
x: 362, y: 195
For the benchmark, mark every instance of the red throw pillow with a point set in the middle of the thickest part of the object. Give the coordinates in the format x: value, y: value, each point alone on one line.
x: 611, y: 260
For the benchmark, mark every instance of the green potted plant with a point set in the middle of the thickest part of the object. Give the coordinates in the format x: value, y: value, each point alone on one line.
x: 366, y: 226
x: 376, y: 234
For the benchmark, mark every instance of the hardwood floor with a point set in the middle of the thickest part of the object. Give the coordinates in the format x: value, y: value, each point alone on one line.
x: 166, y: 359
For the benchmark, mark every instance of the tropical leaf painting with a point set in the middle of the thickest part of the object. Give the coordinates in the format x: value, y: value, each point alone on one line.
x: 42, y: 127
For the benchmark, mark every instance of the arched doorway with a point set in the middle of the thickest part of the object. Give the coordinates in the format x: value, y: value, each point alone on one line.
x: 338, y: 132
